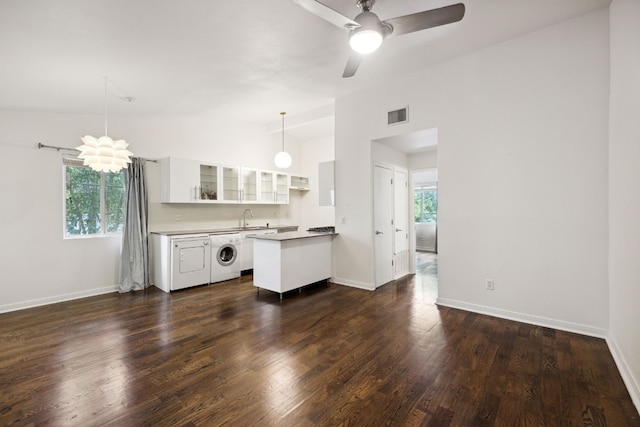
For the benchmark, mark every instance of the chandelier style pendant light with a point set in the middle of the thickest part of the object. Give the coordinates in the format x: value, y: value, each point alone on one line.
x: 282, y: 159
x: 104, y: 154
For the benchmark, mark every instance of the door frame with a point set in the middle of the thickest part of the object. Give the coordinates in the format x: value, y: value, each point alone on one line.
x: 412, y: 222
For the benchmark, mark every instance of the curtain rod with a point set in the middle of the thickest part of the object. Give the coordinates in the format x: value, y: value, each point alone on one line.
x: 73, y: 150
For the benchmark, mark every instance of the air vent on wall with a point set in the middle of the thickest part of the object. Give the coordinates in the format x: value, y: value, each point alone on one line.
x: 400, y: 115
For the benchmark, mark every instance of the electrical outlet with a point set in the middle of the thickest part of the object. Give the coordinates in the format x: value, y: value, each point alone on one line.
x: 489, y: 283
x: 177, y: 217
x: 344, y: 219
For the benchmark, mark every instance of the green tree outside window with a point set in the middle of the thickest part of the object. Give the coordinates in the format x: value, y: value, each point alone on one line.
x: 94, y: 201
x: 426, y: 206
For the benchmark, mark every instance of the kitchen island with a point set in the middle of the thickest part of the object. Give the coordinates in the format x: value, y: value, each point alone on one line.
x: 286, y: 261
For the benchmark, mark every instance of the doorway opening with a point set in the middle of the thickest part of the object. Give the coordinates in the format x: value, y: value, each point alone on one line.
x: 425, y: 209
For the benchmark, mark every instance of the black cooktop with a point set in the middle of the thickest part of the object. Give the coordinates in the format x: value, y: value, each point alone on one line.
x: 326, y: 229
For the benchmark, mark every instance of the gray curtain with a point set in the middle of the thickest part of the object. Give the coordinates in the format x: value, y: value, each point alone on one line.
x: 134, y: 259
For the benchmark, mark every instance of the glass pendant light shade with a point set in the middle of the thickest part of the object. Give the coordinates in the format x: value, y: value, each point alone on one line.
x: 104, y: 154
x: 282, y: 160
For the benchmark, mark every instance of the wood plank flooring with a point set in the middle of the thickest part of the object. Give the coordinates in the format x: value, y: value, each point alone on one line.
x: 223, y: 354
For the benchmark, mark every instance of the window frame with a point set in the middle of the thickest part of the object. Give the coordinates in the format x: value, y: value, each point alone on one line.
x: 423, y: 189
x: 74, y: 161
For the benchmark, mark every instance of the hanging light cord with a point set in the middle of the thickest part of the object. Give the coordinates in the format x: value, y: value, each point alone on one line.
x: 121, y: 95
x: 106, y: 80
x: 282, y: 114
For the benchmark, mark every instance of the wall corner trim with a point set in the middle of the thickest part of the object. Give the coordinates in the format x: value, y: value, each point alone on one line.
x: 354, y: 284
x: 633, y: 386
x: 525, y: 318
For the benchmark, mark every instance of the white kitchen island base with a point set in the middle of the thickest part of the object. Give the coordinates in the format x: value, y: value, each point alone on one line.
x: 286, y: 261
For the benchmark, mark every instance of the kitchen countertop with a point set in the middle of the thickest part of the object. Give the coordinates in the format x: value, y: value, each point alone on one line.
x: 292, y: 235
x: 222, y: 230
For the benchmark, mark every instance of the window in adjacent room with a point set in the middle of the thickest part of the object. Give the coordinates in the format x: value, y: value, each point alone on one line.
x: 94, y: 201
x: 426, y: 205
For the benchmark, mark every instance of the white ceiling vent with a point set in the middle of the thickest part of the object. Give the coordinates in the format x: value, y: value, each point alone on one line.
x: 401, y: 115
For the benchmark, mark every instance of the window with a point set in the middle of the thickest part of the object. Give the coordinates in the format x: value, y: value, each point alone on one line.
x: 94, y: 201
x: 426, y: 205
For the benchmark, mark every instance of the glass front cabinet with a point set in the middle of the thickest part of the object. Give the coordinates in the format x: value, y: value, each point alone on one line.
x: 230, y: 190
x: 191, y: 181
x: 249, y: 185
x: 282, y: 188
x: 209, y: 182
x: 239, y: 185
x: 274, y: 187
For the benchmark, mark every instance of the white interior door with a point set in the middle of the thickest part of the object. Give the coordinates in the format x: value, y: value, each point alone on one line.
x: 401, y: 222
x: 383, y: 224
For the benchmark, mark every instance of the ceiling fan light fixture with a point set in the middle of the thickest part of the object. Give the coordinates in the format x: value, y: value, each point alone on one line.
x: 365, y: 41
x: 369, y: 35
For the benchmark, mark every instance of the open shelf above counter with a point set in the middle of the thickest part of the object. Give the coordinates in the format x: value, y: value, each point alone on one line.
x: 299, y: 182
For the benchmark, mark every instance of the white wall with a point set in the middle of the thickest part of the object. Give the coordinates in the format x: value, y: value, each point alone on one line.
x: 624, y: 187
x: 311, y: 153
x: 39, y: 266
x: 423, y: 160
x: 522, y: 130
x: 384, y: 154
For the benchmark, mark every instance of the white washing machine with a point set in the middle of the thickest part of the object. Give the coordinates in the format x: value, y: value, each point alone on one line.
x: 225, y: 257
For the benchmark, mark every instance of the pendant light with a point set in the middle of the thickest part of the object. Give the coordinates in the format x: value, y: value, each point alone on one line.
x: 104, y: 154
x: 282, y: 159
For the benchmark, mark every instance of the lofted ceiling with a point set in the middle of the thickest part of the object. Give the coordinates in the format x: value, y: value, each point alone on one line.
x: 249, y: 58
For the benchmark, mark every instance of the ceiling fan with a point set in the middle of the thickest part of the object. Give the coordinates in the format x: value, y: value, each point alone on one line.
x: 367, y: 31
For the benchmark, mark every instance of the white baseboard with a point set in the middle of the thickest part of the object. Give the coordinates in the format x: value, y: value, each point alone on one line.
x: 354, y: 284
x: 58, y: 298
x: 632, y: 383
x: 525, y: 318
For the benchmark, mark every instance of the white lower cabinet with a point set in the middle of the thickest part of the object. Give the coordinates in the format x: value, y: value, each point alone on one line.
x: 285, y: 263
x: 247, y: 246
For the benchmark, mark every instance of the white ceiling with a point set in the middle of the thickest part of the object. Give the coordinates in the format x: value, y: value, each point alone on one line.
x: 251, y: 58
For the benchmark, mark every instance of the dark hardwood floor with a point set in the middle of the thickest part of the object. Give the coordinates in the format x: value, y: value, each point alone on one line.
x: 223, y: 354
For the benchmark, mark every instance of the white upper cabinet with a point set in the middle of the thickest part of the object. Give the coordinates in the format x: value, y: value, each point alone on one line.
x: 239, y: 185
x: 267, y: 186
x: 249, y: 185
x: 191, y: 181
x: 274, y: 187
x: 188, y: 181
x: 230, y: 191
x: 209, y: 179
x: 282, y: 188
x: 179, y: 180
x: 299, y: 182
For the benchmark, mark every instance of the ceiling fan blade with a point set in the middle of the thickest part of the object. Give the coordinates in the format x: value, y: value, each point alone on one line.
x: 352, y: 64
x: 427, y: 19
x: 327, y: 14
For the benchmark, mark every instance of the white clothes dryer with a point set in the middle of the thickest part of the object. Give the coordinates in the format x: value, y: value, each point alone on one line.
x: 225, y: 257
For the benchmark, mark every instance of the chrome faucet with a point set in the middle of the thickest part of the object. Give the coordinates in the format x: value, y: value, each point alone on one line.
x: 247, y: 211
